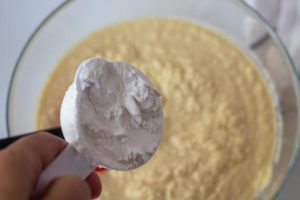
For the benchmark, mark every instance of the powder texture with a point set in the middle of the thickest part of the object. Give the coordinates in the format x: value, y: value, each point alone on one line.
x: 112, y: 114
x: 219, y: 123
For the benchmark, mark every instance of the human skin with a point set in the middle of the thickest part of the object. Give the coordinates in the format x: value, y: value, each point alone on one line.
x: 22, y: 162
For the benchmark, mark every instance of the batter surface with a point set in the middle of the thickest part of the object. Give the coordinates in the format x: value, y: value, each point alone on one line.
x: 219, y: 131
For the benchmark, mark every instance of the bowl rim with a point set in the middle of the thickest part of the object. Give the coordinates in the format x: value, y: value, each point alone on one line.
x: 243, y: 5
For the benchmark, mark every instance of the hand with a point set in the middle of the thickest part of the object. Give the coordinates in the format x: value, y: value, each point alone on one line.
x: 21, y: 164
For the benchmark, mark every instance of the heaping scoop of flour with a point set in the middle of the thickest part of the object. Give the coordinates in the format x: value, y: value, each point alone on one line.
x: 112, y: 115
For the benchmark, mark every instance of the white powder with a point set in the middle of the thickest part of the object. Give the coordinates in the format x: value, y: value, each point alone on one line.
x: 112, y: 114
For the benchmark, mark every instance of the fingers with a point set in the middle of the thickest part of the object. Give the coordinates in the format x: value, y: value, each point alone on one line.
x: 23, y: 161
x: 95, y: 184
x: 68, y: 187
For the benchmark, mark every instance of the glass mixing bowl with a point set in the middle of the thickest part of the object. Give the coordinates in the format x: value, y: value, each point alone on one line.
x: 74, y: 20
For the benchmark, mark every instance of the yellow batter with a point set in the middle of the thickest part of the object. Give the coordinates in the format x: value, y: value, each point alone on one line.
x: 219, y: 121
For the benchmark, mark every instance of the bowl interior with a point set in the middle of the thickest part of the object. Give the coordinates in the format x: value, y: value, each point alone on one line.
x: 66, y: 27
x: 74, y: 20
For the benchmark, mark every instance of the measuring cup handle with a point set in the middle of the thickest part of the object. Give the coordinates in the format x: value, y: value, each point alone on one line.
x: 68, y: 162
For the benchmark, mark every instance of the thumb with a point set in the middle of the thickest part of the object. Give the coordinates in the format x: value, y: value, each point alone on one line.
x: 68, y: 187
